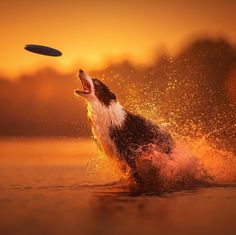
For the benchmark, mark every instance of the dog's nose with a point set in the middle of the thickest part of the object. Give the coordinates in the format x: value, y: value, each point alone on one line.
x: 81, y: 71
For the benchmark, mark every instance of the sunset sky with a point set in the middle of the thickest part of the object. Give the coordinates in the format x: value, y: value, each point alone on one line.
x: 89, y: 33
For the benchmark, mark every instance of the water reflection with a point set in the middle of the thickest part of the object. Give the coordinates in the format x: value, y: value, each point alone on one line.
x: 59, y: 199
x: 188, y: 212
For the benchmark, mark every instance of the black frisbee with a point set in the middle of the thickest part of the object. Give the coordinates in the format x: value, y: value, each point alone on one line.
x: 43, y: 50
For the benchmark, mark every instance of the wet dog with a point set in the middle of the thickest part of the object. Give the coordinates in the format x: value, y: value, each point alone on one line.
x: 121, y: 134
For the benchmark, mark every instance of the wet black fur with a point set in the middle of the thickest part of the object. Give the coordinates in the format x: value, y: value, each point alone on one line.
x: 138, y: 136
x: 103, y: 93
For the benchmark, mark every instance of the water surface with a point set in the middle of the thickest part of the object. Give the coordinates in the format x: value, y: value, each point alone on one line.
x: 45, y: 189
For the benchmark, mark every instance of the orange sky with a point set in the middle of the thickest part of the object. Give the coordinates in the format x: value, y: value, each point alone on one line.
x: 91, y: 32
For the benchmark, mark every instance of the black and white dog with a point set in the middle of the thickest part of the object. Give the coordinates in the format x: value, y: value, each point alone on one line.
x: 119, y: 133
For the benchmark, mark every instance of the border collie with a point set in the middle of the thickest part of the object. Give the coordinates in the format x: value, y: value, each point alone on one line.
x: 121, y: 134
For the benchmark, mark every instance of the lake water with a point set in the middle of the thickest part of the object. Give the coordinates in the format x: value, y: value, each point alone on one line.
x: 46, y: 188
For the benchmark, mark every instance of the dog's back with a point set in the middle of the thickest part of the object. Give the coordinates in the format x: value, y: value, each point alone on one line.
x: 137, y: 131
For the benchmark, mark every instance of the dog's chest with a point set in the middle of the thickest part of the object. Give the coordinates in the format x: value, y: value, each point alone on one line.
x: 100, y: 132
x: 102, y: 118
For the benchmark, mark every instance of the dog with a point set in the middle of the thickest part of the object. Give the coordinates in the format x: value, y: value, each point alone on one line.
x: 121, y: 134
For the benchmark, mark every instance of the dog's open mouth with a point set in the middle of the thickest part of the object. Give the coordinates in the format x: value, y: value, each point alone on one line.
x: 85, y: 84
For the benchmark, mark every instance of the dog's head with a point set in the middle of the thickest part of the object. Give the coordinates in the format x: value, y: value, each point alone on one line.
x: 94, y: 90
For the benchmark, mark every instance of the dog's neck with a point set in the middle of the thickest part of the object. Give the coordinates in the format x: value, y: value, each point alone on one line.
x: 101, y: 115
x: 102, y: 118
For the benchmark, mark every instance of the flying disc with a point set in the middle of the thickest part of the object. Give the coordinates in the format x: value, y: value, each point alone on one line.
x: 43, y: 50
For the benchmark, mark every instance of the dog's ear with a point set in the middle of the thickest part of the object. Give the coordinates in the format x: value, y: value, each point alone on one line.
x: 103, y: 93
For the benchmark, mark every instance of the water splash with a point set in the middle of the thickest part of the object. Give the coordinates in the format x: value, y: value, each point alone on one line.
x: 102, y: 169
x: 199, y: 157
x: 193, y: 163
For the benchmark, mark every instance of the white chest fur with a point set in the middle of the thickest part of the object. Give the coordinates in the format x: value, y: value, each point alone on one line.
x: 103, y: 118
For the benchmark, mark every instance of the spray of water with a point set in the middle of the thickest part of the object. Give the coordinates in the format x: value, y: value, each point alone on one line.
x: 198, y: 159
